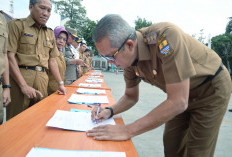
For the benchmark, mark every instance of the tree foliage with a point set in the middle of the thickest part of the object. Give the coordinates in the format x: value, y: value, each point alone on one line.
x: 229, y: 26
x: 140, y: 23
x: 222, y: 44
x: 73, y: 11
x: 76, y: 19
x: 87, y: 32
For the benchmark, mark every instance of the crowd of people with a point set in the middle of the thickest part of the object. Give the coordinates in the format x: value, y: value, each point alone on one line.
x: 36, y: 61
x: 198, y: 86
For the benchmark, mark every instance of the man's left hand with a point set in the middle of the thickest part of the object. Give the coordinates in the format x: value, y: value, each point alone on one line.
x: 109, y: 132
x: 61, y: 89
x: 6, y: 96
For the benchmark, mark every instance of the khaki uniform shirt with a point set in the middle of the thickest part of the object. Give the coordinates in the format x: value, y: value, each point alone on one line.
x: 3, y: 42
x: 71, y: 69
x: 168, y: 55
x: 61, y: 64
x: 33, y: 45
x: 52, y: 84
x: 89, y: 62
x: 82, y: 55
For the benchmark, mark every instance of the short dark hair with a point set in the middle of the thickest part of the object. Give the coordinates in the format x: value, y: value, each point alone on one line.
x: 33, y: 2
x: 115, y: 28
x: 83, y: 44
x: 87, y: 50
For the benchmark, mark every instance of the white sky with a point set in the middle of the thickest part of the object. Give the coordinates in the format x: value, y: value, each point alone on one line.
x: 190, y: 15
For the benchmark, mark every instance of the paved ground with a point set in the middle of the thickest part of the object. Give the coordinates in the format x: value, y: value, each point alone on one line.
x: 150, y: 144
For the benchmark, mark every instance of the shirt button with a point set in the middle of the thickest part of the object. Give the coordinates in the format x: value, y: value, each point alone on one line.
x: 194, y: 99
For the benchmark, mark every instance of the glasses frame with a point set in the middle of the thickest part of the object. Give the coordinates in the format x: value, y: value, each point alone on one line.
x: 112, y: 58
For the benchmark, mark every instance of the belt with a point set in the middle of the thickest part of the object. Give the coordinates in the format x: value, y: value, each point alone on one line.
x: 36, y: 68
x: 83, y: 66
x: 212, y: 76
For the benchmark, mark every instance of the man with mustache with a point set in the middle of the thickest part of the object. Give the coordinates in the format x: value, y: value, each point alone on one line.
x: 197, y: 85
x: 31, y: 51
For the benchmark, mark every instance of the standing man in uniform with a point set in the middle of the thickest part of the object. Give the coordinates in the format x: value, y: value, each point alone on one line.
x: 82, y: 56
x: 88, y: 61
x: 74, y: 47
x: 197, y: 85
x: 31, y: 51
x: 4, y: 67
x: 71, y: 56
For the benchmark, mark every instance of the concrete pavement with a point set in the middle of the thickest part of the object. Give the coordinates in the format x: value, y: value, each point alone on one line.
x: 150, y: 144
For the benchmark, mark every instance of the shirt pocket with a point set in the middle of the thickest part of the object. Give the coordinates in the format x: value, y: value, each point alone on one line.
x: 27, y: 44
x: 3, y: 37
x: 48, y: 47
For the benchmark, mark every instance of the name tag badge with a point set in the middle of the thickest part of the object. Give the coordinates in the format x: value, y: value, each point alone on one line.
x: 47, y: 41
x: 27, y: 34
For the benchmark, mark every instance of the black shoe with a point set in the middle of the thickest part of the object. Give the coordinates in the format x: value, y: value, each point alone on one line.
x: 230, y: 110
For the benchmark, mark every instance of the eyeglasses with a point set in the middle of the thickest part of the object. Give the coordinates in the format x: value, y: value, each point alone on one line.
x: 112, y: 58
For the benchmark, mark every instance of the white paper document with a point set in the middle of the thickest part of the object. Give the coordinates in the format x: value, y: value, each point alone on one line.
x: 46, y: 152
x: 96, y: 73
x: 88, y: 99
x: 77, y: 121
x: 90, y: 91
x: 94, y: 80
x: 93, y: 76
x: 89, y: 85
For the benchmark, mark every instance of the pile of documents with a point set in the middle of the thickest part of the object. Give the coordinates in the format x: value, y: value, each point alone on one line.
x: 90, y: 91
x: 89, y: 85
x: 87, y: 99
x: 79, y: 120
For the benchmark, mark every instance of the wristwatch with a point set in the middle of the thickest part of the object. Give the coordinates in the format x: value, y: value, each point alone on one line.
x: 61, y: 82
x: 111, y: 111
x: 6, y: 86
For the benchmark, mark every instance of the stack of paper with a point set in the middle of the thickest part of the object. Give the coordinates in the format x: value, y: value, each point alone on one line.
x: 87, y: 99
x: 96, y: 73
x: 93, y: 76
x: 46, y: 152
x: 77, y: 121
x: 94, y: 80
x: 90, y: 91
x: 89, y: 85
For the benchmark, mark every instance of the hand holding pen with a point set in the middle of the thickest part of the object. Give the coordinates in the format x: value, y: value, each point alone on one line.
x: 98, y: 109
x: 99, y: 114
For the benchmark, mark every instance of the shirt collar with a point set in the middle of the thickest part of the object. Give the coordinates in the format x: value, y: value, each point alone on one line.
x: 32, y: 22
x: 143, y: 49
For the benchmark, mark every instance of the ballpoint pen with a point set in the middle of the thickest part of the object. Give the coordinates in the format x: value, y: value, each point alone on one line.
x: 98, y: 109
x: 83, y: 103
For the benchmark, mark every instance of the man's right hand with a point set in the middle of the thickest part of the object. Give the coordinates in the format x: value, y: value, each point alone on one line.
x: 30, y: 92
x: 79, y: 61
x: 102, y: 115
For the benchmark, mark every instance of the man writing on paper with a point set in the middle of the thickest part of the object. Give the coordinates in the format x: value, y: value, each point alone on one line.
x: 198, y: 86
x: 31, y: 51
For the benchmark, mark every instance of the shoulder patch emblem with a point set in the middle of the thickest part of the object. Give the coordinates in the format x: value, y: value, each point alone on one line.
x: 164, y: 47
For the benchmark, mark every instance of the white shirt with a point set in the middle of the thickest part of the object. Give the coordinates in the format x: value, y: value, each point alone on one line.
x: 75, y: 52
